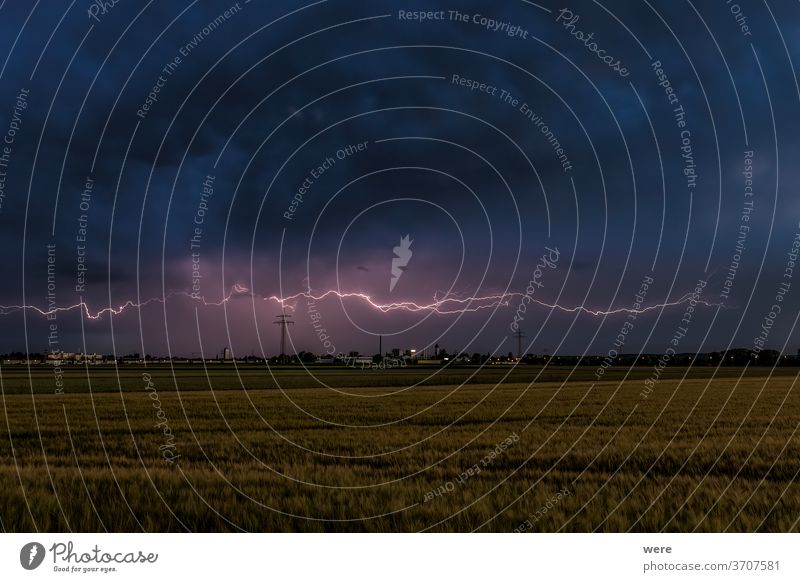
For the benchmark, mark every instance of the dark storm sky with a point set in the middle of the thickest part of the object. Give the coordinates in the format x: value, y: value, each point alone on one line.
x: 263, y: 97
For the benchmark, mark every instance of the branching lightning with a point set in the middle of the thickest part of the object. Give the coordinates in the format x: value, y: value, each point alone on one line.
x: 447, y: 305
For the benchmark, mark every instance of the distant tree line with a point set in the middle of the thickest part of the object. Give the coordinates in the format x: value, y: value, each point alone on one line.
x: 733, y: 357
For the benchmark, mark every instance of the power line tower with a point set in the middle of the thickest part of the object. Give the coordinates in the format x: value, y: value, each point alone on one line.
x: 520, y: 335
x: 284, y: 321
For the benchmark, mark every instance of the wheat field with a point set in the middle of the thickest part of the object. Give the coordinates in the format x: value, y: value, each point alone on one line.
x: 368, y: 453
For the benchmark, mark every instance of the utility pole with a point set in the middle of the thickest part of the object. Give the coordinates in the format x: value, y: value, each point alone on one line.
x: 519, y: 335
x: 283, y: 320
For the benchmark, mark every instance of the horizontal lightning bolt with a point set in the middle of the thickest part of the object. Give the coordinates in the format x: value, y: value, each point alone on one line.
x: 447, y: 305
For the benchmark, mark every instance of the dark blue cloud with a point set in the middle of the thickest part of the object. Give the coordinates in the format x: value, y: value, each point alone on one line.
x: 264, y: 94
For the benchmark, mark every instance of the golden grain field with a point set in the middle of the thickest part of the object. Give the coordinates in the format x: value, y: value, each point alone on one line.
x: 700, y: 454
